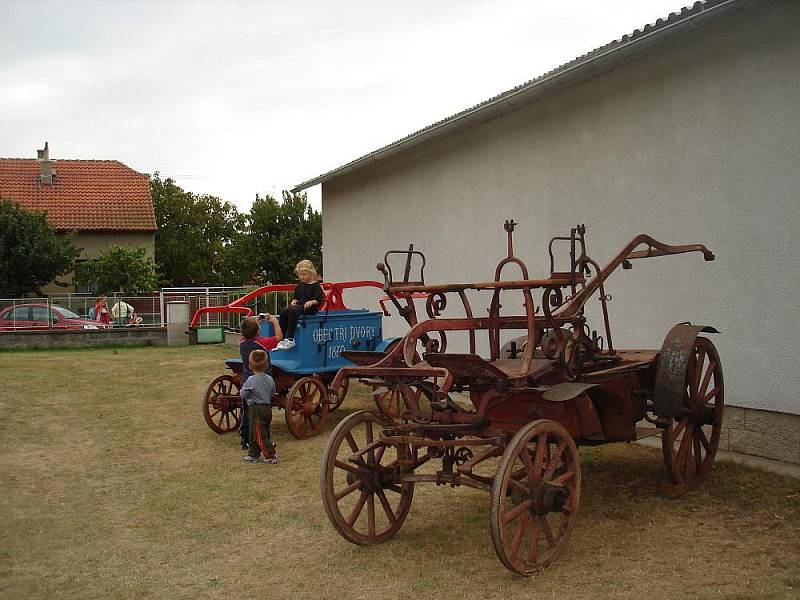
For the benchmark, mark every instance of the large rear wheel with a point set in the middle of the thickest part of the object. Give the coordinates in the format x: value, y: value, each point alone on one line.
x: 306, y: 407
x: 690, y: 441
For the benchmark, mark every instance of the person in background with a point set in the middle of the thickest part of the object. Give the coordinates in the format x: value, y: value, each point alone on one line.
x: 250, y: 342
x: 121, y: 312
x: 308, y: 297
x: 101, y: 312
x: 256, y: 395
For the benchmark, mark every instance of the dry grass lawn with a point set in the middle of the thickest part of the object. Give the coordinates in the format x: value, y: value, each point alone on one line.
x: 114, y: 487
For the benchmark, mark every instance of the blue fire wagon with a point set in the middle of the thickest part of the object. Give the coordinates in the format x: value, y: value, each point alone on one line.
x: 302, y: 373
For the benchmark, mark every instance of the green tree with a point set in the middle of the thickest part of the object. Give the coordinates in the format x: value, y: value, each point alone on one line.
x: 123, y: 268
x: 193, y: 234
x: 31, y: 253
x: 281, y: 234
x: 238, y: 262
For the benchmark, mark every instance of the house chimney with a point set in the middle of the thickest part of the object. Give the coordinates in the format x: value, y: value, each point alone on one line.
x: 43, y: 156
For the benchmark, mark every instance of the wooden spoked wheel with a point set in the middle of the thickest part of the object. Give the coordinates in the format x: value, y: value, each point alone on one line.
x: 690, y: 441
x: 389, y: 401
x: 363, y: 502
x: 306, y: 407
x: 222, y: 405
x: 336, y: 402
x: 535, y: 497
x: 400, y: 401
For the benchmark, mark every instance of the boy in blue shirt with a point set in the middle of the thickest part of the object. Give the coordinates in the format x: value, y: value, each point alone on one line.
x: 251, y: 341
x: 257, y: 394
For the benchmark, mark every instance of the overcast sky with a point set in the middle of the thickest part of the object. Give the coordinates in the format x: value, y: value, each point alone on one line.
x: 239, y: 98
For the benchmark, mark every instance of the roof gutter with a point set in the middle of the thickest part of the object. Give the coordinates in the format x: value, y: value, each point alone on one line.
x: 577, y: 71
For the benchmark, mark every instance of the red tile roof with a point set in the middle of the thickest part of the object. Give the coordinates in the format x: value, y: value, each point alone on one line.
x: 87, y: 195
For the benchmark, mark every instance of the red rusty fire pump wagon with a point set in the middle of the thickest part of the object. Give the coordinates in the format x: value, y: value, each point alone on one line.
x: 532, y: 402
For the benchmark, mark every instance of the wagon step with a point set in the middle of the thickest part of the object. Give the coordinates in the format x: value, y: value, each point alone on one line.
x: 472, y: 366
x: 641, y: 433
x: 645, y: 432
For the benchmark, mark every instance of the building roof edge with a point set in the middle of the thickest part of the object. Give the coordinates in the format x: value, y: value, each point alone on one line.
x: 599, y: 59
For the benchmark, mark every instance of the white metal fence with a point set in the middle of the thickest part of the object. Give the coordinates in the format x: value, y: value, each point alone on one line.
x: 76, y: 311
x: 201, y: 297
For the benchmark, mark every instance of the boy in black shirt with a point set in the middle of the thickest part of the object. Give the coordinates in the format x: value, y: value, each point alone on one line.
x: 308, y: 297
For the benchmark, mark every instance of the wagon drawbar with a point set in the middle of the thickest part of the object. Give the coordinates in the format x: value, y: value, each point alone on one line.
x: 534, y: 399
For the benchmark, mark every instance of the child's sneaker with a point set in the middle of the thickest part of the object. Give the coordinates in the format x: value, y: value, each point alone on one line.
x: 250, y: 459
x: 245, y: 445
x: 271, y: 460
x: 285, y: 344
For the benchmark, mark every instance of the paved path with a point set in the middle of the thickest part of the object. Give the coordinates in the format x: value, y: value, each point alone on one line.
x: 766, y: 464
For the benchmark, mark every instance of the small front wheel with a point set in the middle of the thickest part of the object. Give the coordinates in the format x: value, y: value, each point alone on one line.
x: 364, y: 500
x: 222, y: 405
x: 389, y: 401
x: 402, y: 401
x: 535, y: 497
x: 336, y: 401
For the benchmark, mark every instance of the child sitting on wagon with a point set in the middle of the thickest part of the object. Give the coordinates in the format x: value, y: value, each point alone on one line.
x: 256, y: 395
x: 308, y: 297
x: 251, y: 341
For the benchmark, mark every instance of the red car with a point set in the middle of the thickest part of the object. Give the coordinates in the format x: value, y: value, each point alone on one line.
x: 38, y: 316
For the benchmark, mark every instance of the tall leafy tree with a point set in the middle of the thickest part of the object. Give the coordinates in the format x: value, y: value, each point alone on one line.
x: 120, y: 268
x: 283, y: 233
x: 238, y: 261
x: 193, y: 233
x: 31, y: 253
x: 202, y: 239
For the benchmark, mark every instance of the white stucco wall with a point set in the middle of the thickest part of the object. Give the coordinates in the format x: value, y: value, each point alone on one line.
x: 699, y: 141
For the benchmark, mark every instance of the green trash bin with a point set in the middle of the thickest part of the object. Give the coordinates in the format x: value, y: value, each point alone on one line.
x: 210, y: 335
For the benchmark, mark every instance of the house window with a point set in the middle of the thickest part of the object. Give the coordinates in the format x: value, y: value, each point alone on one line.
x: 89, y: 288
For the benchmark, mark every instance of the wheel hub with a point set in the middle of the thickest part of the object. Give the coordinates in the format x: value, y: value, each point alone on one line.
x: 369, y: 480
x: 548, y: 497
x: 308, y: 407
x: 698, y: 415
x: 226, y: 403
